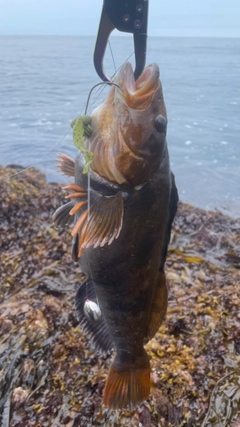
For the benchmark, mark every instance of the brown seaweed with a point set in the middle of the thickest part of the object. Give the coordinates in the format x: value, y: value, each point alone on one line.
x: 49, y: 373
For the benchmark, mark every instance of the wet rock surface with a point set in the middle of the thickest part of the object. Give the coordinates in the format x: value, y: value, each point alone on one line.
x: 49, y: 373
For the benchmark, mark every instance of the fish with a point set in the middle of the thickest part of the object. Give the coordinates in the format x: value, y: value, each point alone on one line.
x: 121, y: 213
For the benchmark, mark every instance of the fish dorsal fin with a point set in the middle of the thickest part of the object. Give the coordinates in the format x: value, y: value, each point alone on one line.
x: 159, y: 307
x: 100, y: 332
x: 66, y: 165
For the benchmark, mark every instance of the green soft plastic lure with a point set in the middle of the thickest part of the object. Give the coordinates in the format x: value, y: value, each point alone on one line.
x: 82, y: 129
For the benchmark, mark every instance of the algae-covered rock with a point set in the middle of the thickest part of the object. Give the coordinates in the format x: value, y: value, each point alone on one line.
x: 49, y: 373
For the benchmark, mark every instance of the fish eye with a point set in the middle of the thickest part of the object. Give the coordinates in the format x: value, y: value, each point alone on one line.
x: 160, y: 123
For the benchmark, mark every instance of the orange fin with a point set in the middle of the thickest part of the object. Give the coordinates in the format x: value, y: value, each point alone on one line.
x: 159, y: 307
x: 77, y: 207
x: 103, y: 223
x: 96, y: 223
x: 74, y: 187
x: 66, y: 165
x: 125, y: 389
x: 76, y: 195
x: 79, y: 223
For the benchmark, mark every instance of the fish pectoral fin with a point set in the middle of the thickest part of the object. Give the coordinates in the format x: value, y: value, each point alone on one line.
x: 61, y: 217
x: 96, y: 223
x: 159, y: 307
x: 66, y: 165
x: 99, y: 330
x: 104, y: 221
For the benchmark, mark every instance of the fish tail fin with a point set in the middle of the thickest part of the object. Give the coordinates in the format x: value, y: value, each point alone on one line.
x: 127, y: 383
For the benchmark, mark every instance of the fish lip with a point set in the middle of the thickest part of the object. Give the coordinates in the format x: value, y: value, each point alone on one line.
x: 145, y: 82
x: 136, y: 95
x: 148, y: 79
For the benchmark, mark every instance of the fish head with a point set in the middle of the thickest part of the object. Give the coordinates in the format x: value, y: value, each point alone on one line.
x: 129, y: 128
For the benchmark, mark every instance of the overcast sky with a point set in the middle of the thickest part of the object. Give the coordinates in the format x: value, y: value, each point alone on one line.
x: 81, y: 17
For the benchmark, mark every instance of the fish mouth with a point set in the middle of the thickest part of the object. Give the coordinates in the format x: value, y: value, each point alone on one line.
x: 138, y: 94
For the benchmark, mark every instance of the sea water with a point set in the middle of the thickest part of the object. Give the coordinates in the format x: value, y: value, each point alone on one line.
x: 45, y: 82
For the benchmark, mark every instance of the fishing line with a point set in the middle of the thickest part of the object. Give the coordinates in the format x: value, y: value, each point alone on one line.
x: 97, y: 96
x: 88, y: 145
x: 113, y: 60
x: 86, y: 109
x: 61, y: 140
x: 39, y: 161
x: 85, y: 112
x: 99, y: 84
x: 100, y: 90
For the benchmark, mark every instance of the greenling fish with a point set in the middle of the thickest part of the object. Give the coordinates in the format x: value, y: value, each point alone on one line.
x: 121, y: 228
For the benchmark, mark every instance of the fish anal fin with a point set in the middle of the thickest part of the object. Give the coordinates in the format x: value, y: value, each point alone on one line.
x: 159, y: 307
x: 99, y: 330
x: 66, y: 165
x: 127, y: 387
